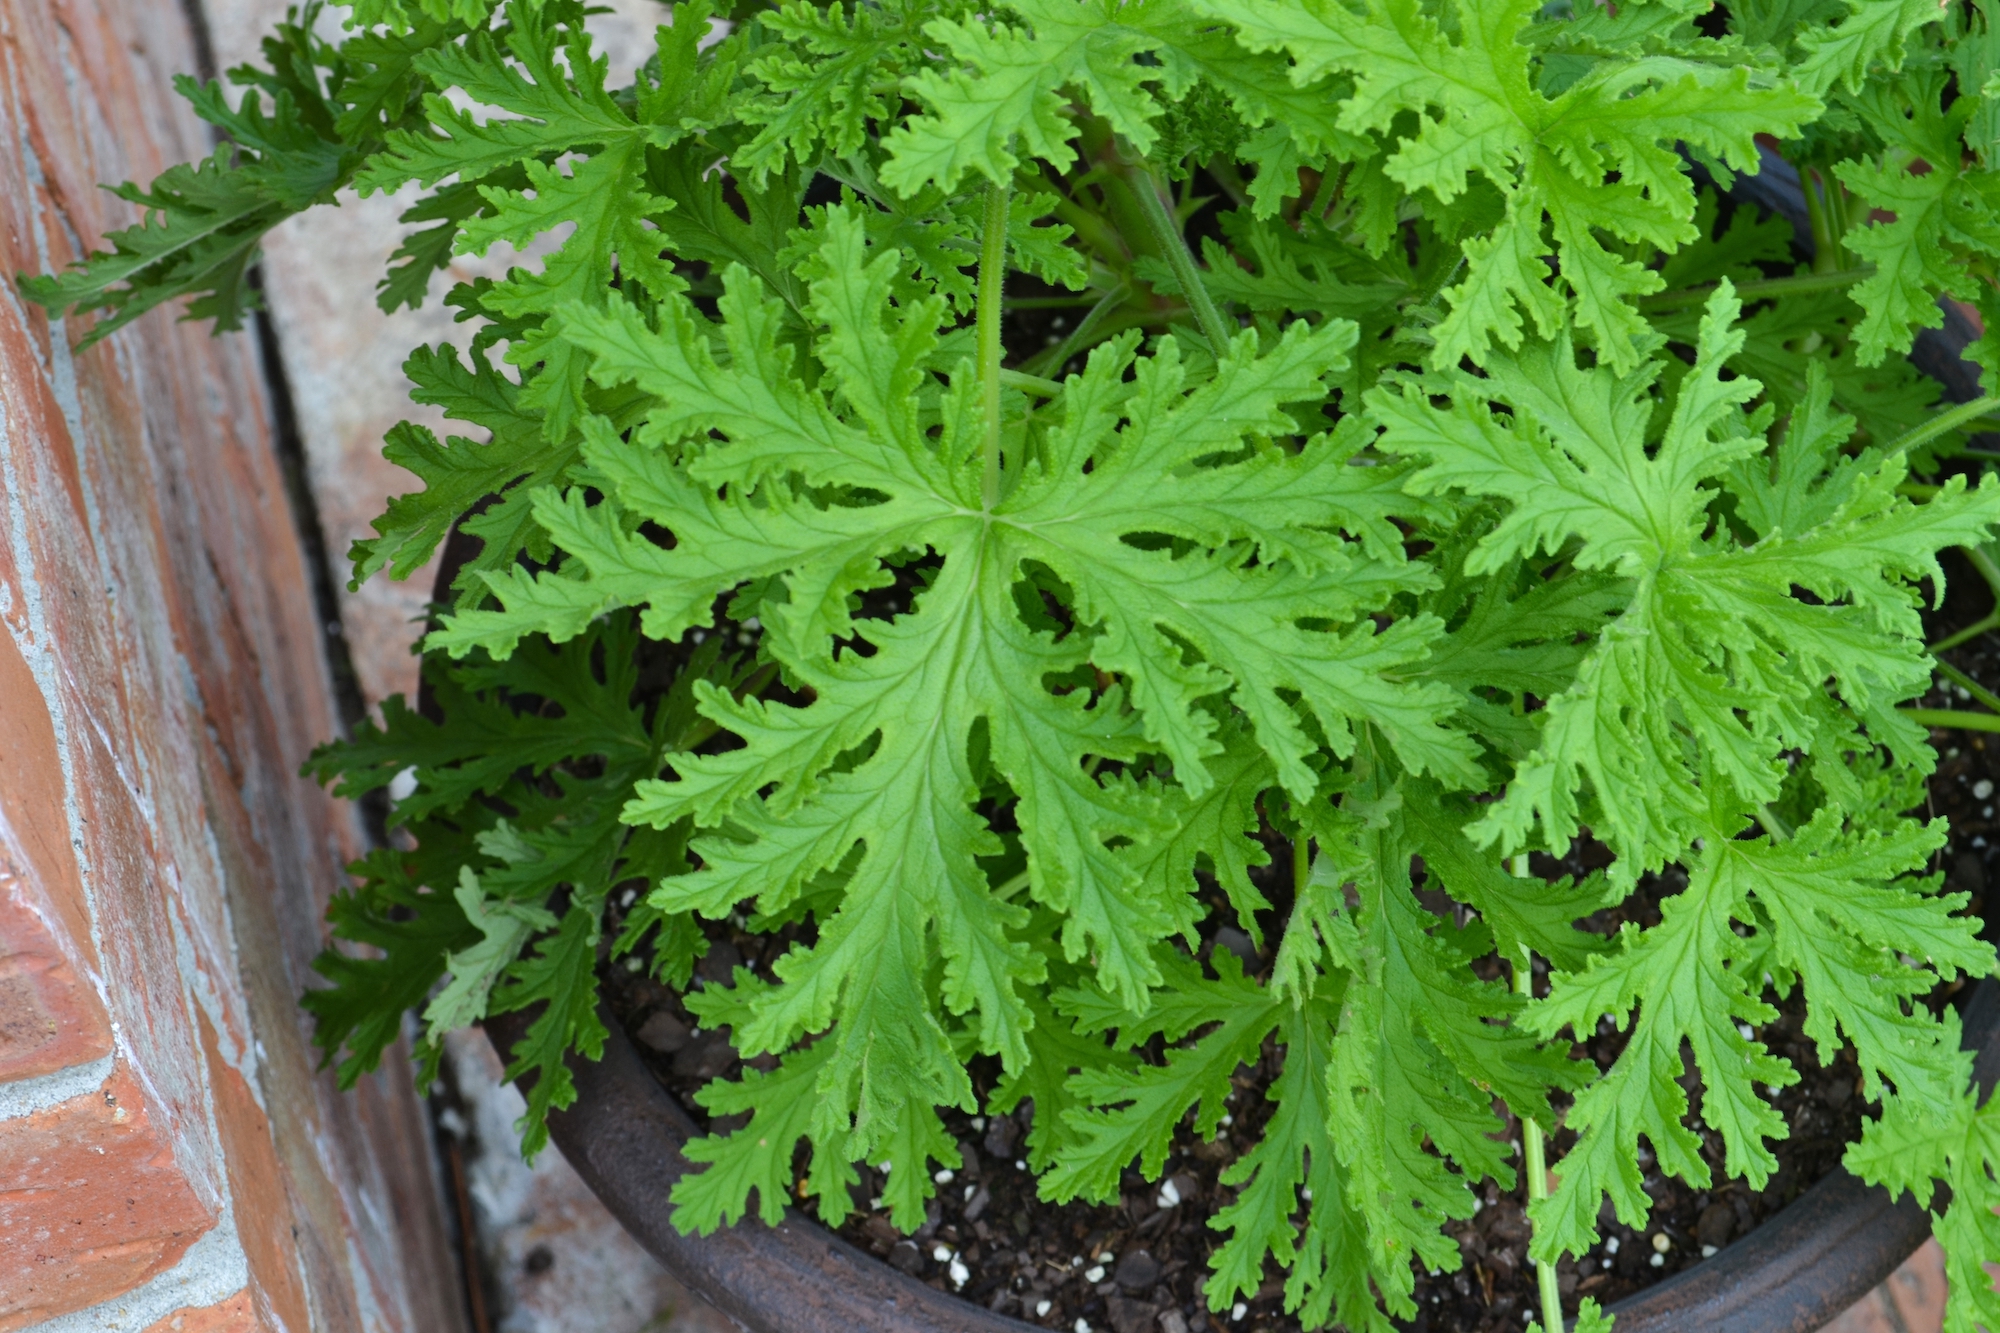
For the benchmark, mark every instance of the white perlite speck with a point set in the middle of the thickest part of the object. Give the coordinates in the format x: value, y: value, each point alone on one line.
x: 1982, y: 789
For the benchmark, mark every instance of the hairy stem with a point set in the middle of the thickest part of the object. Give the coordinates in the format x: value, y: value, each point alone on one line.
x: 1944, y: 422
x: 1826, y: 246
x: 1982, y: 560
x: 1053, y: 359
x: 1767, y: 287
x: 992, y: 279
x: 1173, y: 244
x: 1969, y: 685
x: 1972, y: 631
x: 1951, y: 719
x: 1534, y: 1156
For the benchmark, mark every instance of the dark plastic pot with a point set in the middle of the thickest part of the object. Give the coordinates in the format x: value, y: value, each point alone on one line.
x: 626, y: 1133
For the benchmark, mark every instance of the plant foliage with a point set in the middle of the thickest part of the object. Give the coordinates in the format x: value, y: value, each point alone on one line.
x: 1449, y: 469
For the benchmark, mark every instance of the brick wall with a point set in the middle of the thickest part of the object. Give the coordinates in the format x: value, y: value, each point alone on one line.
x: 169, y: 1158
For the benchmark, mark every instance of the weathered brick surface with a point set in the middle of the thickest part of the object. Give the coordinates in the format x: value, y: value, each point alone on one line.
x: 235, y: 1315
x: 163, y: 869
x: 92, y: 1203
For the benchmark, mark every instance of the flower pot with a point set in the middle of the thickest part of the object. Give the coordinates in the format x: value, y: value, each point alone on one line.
x: 626, y: 1133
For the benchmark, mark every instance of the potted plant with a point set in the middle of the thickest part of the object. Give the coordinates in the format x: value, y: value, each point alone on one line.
x: 992, y: 498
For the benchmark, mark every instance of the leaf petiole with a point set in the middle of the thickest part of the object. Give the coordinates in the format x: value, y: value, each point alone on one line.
x: 1534, y: 1154
x: 1951, y: 719
x: 1969, y: 685
x: 1942, y: 423
x: 1751, y: 291
x: 1034, y: 384
x: 992, y: 281
x: 1173, y: 244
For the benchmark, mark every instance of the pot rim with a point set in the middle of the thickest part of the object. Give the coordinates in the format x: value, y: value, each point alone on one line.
x: 626, y: 1132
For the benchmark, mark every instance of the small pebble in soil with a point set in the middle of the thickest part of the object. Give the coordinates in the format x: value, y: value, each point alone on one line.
x: 1094, y: 1274
x: 1658, y: 1261
x: 960, y: 1274
x: 943, y: 1175
x: 1169, y: 1194
x: 1660, y: 1242
x: 1982, y: 789
x: 1043, y: 1307
x: 1138, y: 1271
x: 1236, y: 1314
x: 942, y: 1253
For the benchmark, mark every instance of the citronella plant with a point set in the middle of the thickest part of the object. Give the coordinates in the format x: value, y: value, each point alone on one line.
x: 1435, y: 465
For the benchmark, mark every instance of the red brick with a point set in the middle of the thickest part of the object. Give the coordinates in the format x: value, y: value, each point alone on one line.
x: 92, y: 1204
x: 50, y: 1018
x: 264, y: 1214
x: 35, y: 855
x: 235, y: 1315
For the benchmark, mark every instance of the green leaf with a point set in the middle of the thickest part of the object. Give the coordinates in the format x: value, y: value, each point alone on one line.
x: 1327, y: 1255
x: 1956, y: 1143
x: 1008, y: 87
x: 561, y: 979
x: 1158, y: 457
x: 1937, y: 210
x: 1714, y: 629
x: 473, y: 971
x: 1151, y: 1101
x: 1472, y: 92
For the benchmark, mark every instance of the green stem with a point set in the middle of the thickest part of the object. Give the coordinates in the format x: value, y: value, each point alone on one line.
x: 1034, y: 384
x: 1982, y: 560
x: 1166, y: 229
x: 1225, y: 174
x: 1766, y: 287
x: 699, y: 731
x: 1950, y: 719
x: 1972, y: 631
x: 1099, y: 235
x: 1533, y: 1152
x: 1969, y: 685
x: 1943, y: 422
x: 1825, y: 247
x: 1836, y: 213
x: 992, y: 281
x: 1773, y: 822
x: 1055, y: 358
x: 1049, y: 302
